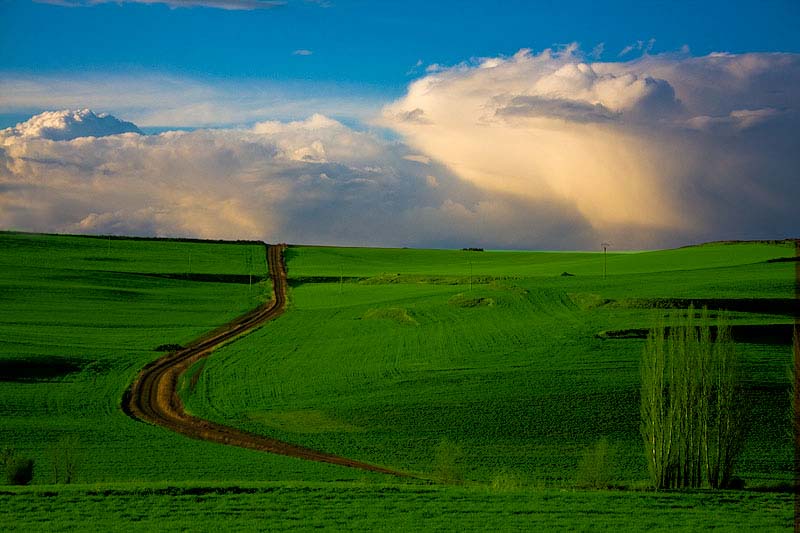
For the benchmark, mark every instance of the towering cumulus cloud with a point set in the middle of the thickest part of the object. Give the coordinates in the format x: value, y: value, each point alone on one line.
x: 68, y: 125
x: 313, y: 181
x: 534, y: 150
x: 664, y: 147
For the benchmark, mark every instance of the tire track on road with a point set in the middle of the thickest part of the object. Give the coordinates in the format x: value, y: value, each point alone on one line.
x: 153, y: 396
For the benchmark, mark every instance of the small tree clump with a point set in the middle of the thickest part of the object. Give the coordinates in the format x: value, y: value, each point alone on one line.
x: 16, y: 470
x: 65, y: 459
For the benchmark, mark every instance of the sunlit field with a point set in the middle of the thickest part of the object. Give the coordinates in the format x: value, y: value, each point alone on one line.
x: 515, y: 363
x: 292, y: 265
x: 486, y: 376
x: 81, y: 316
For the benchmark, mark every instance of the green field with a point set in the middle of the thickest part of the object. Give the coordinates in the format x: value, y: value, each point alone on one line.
x: 506, y: 363
x: 381, y: 355
x: 79, y: 318
x: 373, y: 507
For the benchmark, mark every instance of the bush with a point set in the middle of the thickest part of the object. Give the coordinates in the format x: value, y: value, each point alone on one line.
x: 595, y: 470
x: 168, y: 347
x: 16, y: 470
x: 447, y: 465
x: 505, y: 481
x: 19, y: 471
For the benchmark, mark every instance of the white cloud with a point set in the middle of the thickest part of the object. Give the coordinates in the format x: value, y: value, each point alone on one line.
x: 302, y: 52
x: 666, y: 144
x: 229, y: 5
x: 67, y: 125
x: 419, y: 158
x: 641, y: 46
x: 150, y: 99
x: 534, y: 150
x: 309, y: 181
x: 415, y: 68
x: 739, y: 119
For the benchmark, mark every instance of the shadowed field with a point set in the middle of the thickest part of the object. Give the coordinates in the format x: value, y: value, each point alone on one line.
x: 365, y: 507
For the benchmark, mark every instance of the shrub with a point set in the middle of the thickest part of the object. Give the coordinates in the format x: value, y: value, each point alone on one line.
x: 595, y: 469
x: 505, y: 481
x: 19, y: 471
x: 16, y: 470
x: 168, y: 347
x: 447, y: 465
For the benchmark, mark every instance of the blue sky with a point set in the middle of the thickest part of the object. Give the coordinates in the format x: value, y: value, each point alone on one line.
x: 418, y: 123
x: 364, y: 47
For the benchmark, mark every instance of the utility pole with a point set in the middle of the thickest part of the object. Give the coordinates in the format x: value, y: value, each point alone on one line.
x: 249, y: 263
x: 470, y: 276
x: 605, y: 246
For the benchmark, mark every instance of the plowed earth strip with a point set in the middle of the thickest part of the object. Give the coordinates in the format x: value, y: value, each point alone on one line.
x: 153, y: 396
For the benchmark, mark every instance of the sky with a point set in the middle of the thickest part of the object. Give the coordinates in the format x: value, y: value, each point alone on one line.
x: 544, y: 125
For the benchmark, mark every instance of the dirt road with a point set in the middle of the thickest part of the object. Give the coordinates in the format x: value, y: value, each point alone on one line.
x: 153, y: 396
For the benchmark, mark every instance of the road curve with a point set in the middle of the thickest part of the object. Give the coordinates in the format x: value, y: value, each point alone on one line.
x: 153, y: 396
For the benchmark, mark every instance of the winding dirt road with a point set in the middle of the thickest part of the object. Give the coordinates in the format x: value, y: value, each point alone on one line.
x: 153, y: 396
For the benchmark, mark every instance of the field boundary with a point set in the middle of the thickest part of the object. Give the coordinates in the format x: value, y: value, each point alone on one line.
x: 153, y: 396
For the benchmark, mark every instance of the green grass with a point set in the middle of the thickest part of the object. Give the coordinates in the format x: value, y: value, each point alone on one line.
x: 80, y: 316
x: 381, y: 356
x: 371, y: 262
x: 368, y: 507
x: 384, y: 368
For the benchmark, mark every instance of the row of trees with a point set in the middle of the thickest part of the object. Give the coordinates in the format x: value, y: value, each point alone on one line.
x: 691, y: 404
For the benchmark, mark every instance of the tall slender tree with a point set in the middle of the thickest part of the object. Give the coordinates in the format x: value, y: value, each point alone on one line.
x: 692, y: 419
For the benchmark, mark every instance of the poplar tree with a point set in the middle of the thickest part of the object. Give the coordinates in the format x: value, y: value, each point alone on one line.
x: 692, y: 419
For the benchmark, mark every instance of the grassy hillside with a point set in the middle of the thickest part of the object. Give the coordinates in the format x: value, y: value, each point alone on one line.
x: 506, y: 364
x: 80, y: 316
x: 383, y: 355
x: 314, y: 261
